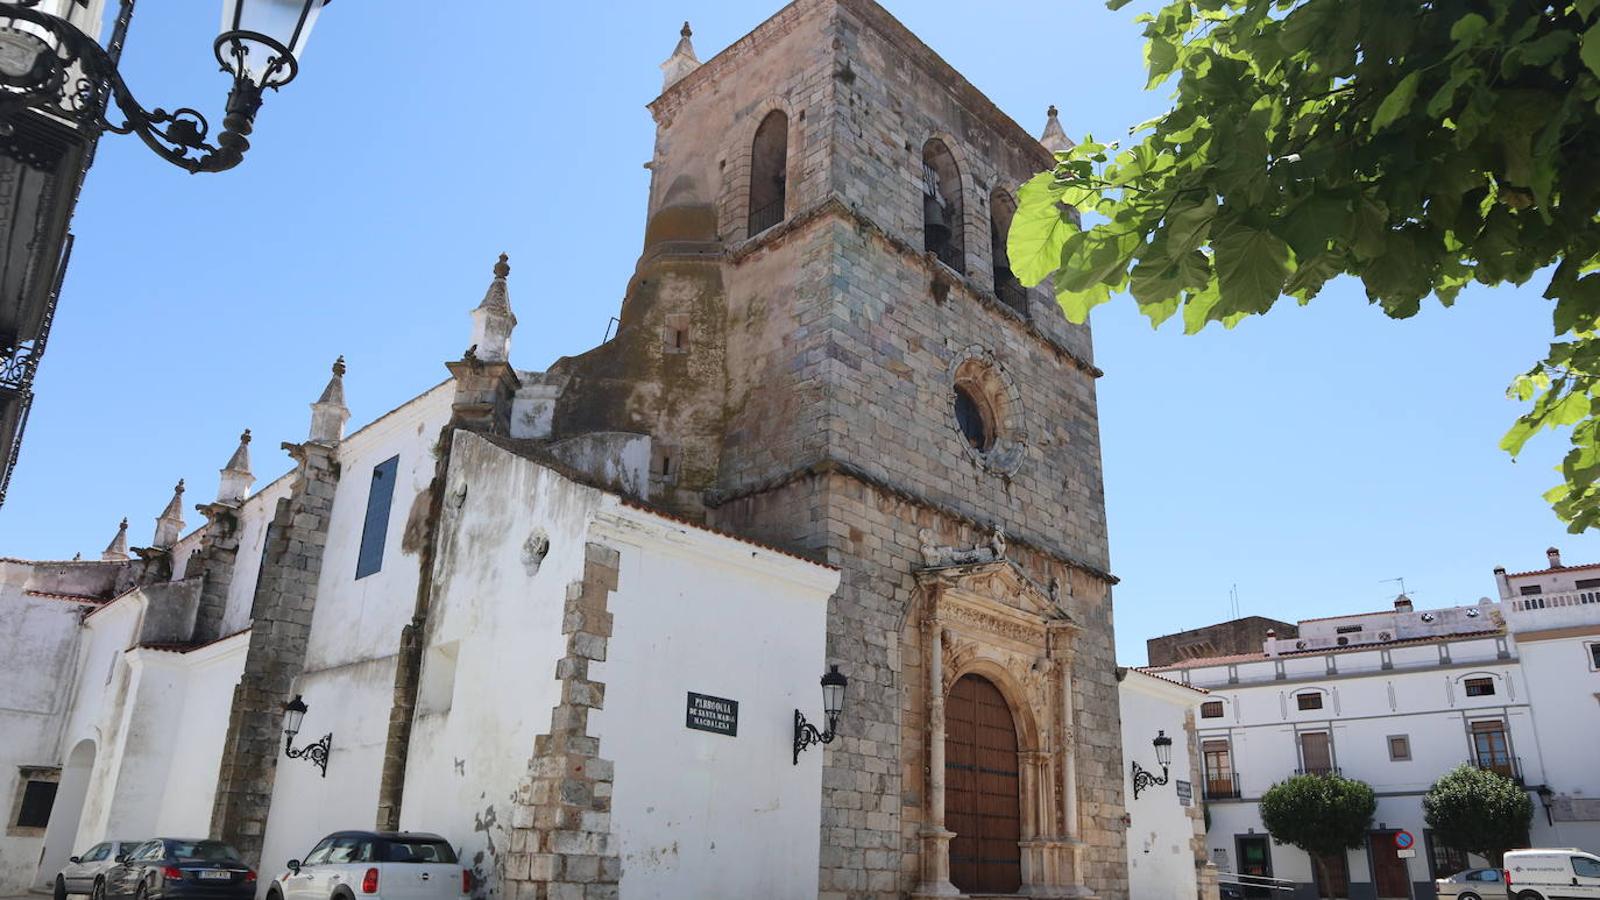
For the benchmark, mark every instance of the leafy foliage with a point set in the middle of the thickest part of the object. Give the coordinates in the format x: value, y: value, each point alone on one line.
x: 1419, y: 146
x: 1478, y: 811
x: 1324, y: 815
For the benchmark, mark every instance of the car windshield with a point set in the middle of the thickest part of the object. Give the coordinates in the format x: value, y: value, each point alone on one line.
x: 208, y: 851
x: 418, y: 850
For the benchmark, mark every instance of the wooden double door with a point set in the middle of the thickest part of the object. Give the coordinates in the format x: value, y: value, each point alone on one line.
x: 982, y: 790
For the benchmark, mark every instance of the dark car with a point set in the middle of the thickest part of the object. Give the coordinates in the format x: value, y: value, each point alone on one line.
x: 178, y: 869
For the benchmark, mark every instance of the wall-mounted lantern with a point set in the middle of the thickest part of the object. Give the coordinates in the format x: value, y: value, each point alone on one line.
x: 47, y: 63
x: 293, y: 713
x: 805, y: 733
x: 1547, y: 796
x: 1142, y: 779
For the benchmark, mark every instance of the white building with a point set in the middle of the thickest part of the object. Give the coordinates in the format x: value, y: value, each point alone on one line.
x: 1396, y: 698
x: 1167, y: 857
x: 1554, y: 617
x: 565, y: 622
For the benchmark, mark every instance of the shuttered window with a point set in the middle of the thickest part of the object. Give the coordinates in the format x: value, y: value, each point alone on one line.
x: 379, y: 498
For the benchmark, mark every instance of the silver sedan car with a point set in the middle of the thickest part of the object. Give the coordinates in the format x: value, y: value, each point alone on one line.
x: 1472, y: 884
x: 82, y: 871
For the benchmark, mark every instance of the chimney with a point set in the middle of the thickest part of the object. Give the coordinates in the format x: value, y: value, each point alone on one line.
x: 1554, y: 555
x: 1502, y: 582
x: 1402, y: 603
x: 1270, y: 645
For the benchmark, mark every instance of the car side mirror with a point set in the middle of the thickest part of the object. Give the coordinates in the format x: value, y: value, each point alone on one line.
x: 294, y: 865
x: 74, y: 859
x: 122, y: 857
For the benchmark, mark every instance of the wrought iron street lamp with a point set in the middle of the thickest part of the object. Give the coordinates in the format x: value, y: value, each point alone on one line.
x: 805, y: 733
x: 1142, y: 779
x: 49, y: 64
x: 294, y: 712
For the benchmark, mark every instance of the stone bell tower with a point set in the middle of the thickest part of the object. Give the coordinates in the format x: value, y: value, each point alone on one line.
x: 826, y: 346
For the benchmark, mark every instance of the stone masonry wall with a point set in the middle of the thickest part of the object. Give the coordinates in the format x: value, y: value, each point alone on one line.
x: 844, y: 340
x: 1244, y: 635
x: 561, y: 842
x: 214, y: 561
x: 281, y: 615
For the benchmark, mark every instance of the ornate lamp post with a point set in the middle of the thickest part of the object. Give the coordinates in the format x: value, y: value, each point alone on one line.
x: 293, y: 713
x: 1142, y: 779
x: 805, y: 733
x: 49, y: 64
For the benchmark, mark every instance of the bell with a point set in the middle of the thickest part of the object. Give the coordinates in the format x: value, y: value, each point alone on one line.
x: 935, y: 224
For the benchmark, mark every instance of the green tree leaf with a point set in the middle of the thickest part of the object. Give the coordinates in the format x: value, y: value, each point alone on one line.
x: 1038, y: 230
x: 1252, y: 265
x: 1590, y: 51
x: 1398, y: 103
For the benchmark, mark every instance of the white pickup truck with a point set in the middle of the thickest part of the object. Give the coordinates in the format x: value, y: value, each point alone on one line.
x: 375, y: 865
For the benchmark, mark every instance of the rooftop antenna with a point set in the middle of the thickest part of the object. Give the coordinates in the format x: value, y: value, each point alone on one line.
x: 1233, y: 599
x: 1402, y: 582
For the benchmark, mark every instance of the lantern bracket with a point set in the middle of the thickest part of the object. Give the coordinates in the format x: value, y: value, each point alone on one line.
x: 52, y: 66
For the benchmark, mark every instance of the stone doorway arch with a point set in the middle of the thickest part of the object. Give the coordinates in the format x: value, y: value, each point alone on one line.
x: 982, y: 626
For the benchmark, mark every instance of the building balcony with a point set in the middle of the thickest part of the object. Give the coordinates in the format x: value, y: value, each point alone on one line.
x: 1221, y: 786
x: 1509, y: 766
x: 1318, y: 770
x: 765, y: 217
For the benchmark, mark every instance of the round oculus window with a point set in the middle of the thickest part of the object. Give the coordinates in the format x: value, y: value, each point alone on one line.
x: 973, y: 419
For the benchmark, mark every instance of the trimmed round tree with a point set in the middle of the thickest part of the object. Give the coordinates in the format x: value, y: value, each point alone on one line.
x: 1323, y: 815
x: 1478, y: 811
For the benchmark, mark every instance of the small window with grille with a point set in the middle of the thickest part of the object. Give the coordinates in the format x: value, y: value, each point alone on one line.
x: 1479, y: 687
x: 33, y: 803
x: 1212, y: 709
x: 1309, y: 700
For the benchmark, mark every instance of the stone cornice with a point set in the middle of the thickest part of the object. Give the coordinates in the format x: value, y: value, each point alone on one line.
x: 837, y: 208
x: 828, y: 466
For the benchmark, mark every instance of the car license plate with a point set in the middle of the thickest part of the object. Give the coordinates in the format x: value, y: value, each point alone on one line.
x: 216, y: 875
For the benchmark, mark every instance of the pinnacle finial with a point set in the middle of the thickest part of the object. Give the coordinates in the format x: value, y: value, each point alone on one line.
x: 682, y: 61
x: 329, y: 413
x: 493, y: 320
x: 118, y: 548
x: 1055, y: 137
x: 236, y: 476
x: 169, y: 525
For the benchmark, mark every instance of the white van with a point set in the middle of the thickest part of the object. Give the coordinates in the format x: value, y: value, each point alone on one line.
x: 1552, y: 874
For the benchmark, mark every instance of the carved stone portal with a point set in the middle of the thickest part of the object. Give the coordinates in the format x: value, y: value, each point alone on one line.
x: 987, y: 618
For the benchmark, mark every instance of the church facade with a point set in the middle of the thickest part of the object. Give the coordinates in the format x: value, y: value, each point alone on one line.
x: 831, y: 430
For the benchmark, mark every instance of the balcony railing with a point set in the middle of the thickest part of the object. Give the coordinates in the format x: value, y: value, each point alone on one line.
x: 1222, y: 786
x: 1010, y: 291
x: 1318, y: 770
x: 1554, y: 601
x: 765, y: 217
x: 1509, y: 766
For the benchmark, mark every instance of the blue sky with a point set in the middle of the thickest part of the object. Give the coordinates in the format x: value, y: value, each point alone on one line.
x: 1304, y: 457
